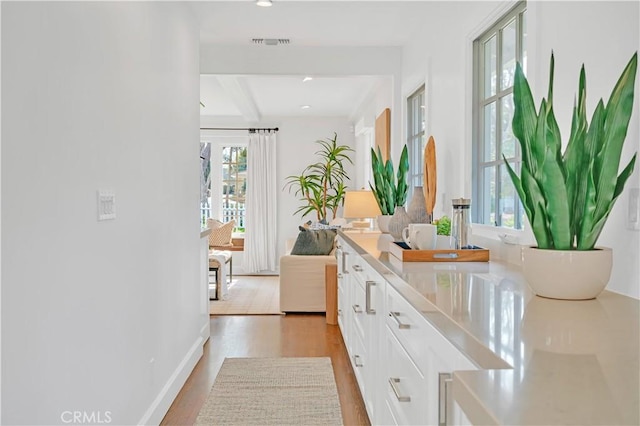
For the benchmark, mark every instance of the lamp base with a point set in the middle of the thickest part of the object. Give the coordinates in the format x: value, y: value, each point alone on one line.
x: 361, y: 224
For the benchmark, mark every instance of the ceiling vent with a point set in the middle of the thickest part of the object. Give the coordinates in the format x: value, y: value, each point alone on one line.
x: 270, y: 41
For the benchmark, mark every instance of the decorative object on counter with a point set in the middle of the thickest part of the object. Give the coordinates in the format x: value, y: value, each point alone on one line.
x: 568, y: 197
x: 420, y: 236
x: 360, y: 205
x: 430, y: 177
x: 383, y: 222
x: 398, y: 222
x: 390, y: 191
x: 403, y: 252
x: 460, y: 223
x: 321, y: 185
x: 417, y: 210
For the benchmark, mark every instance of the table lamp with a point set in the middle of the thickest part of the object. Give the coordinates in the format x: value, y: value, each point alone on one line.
x: 360, y: 205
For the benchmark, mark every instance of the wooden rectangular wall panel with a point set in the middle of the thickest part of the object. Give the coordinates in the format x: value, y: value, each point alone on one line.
x: 383, y: 133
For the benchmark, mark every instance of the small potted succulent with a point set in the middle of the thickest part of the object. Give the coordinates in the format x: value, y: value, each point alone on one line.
x: 568, y: 196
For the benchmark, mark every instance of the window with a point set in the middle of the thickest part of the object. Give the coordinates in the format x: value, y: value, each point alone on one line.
x: 224, y: 182
x: 415, y: 137
x: 234, y: 184
x: 495, y: 55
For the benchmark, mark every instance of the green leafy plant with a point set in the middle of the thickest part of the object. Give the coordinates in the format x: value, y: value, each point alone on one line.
x: 443, y: 225
x: 321, y: 185
x: 390, y: 190
x: 568, y: 197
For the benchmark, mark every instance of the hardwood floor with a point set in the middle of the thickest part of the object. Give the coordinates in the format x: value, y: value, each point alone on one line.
x: 268, y: 336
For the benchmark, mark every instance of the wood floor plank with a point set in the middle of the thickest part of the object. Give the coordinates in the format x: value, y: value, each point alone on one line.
x: 292, y: 335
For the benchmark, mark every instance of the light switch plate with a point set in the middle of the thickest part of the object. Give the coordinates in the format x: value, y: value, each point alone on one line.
x: 106, y: 204
x: 634, y: 209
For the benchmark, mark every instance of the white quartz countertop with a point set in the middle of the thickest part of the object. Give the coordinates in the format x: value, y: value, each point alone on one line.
x: 541, y: 361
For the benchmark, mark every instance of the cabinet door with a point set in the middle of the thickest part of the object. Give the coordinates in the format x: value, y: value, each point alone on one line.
x: 429, y: 350
x: 405, y: 390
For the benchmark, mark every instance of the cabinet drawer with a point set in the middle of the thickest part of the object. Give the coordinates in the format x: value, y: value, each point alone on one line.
x: 359, y: 362
x: 357, y: 311
x: 405, y: 386
x: 409, y: 327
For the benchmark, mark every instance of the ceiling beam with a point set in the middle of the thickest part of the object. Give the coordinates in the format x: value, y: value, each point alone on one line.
x: 239, y: 93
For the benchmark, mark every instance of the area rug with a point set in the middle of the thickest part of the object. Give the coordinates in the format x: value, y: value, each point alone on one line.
x: 273, y: 391
x: 249, y: 295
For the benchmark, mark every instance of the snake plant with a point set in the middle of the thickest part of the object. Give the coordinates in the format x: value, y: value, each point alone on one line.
x: 390, y: 191
x: 568, y: 197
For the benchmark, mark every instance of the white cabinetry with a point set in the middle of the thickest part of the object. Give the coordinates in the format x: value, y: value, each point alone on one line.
x: 360, y: 302
x: 418, y: 365
x: 398, y: 357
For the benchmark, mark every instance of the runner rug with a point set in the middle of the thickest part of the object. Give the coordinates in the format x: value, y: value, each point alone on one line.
x: 273, y: 391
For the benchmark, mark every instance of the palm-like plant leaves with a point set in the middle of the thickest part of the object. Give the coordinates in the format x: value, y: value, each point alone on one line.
x: 321, y: 186
x: 568, y: 198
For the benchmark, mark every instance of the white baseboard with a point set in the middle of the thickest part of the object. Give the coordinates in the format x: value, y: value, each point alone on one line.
x: 156, y: 412
x: 205, y: 332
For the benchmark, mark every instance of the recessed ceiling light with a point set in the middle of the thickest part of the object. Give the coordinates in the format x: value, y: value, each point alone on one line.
x: 264, y: 3
x: 305, y: 106
x: 307, y: 78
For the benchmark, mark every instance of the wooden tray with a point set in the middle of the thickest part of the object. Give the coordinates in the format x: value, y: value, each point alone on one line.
x: 405, y: 254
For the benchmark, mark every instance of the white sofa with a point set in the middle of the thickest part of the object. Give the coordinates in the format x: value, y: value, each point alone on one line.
x: 302, y: 281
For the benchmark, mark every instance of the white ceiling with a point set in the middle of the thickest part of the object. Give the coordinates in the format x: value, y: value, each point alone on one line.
x: 305, y: 23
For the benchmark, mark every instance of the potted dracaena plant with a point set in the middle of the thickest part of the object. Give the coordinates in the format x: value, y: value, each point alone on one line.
x: 568, y: 197
x: 389, y: 188
x: 321, y: 186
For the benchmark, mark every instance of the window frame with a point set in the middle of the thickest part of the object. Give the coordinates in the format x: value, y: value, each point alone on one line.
x: 515, y: 14
x: 416, y: 139
x: 225, y: 196
x: 217, y: 143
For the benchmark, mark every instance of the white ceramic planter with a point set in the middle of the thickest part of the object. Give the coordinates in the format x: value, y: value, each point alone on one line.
x: 383, y: 222
x: 567, y: 274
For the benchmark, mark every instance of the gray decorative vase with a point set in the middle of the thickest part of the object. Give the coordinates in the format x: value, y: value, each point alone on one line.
x: 418, y: 207
x: 398, y: 222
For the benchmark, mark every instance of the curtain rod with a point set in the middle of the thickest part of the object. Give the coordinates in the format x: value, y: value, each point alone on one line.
x: 275, y: 129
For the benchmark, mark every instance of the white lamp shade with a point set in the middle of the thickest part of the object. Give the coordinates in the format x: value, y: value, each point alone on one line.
x: 360, y: 205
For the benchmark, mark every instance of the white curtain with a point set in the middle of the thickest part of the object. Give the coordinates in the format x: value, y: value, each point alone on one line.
x: 260, y: 236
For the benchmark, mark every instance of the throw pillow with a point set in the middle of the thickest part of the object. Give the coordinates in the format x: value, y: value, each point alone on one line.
x: 314, y: 243
x: 221, y: 236
x: 214, y: 223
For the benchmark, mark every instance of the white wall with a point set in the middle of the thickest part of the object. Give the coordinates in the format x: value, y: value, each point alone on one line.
x: 381, y: 97
x: 603, y: 35
x: 98, y: 317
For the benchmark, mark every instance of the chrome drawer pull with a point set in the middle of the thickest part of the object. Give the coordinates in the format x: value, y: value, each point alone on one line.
x: 356, y: 358
x: 339, y: 275
x: 395, y: 316
x: 344, y: 262
x: 401, y: 398
x: 367, y: 300
x: 444, y: 379
x: 357, y: 309
x: 357, y: 268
